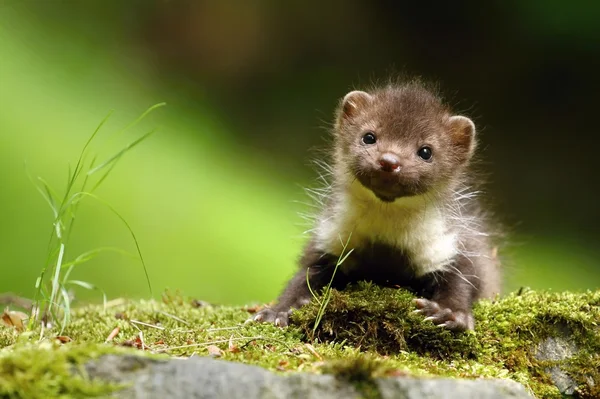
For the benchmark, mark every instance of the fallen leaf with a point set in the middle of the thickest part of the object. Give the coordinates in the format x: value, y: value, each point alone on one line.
x: 134, y: 343
x: 233, y: 348
x: 63, y: 339
x: 13, y: 318
x: 214, y: 351
x: 113, y: 334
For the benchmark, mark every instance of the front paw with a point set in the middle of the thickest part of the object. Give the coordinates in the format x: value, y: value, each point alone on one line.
x: 445, y: 317
x: 268, y: 315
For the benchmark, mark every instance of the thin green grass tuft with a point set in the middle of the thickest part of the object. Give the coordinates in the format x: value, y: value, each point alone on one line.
x: 52, y: 300
x: 324, y: 301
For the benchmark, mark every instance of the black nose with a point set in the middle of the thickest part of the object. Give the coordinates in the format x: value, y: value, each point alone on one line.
x: 389, y: 163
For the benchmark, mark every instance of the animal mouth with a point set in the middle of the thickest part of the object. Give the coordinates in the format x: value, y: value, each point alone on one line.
x: 385, y: 197
x: 386, y: 188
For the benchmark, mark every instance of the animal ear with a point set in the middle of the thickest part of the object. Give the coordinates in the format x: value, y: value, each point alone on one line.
x: 353, y: 102
x: 462, y: 130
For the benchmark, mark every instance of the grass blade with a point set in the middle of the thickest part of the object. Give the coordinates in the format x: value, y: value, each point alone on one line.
x: 327, y: 291
x: 133, y: 236
x: 55, y: 278
x: 120, y: 153
x: 52, y: 196
x: 105, y: 175
x: 142, y: 116
x: 312, y: 293
x: 51, y: 296
x: 46, y: 194
x: 80, y: 161
x: 345, y: 257
x: 88, y: 286
x: 138, y: 120
x: 66, y: 309
x: 91, y: 254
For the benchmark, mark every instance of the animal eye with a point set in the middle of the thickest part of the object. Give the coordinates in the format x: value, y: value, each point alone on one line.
x: 369, y: 138
x: 425, y: 153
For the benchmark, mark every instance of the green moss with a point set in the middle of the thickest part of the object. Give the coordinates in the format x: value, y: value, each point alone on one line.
x: 50, y: 370
x: 584, y: 368
x: 366, y: 332
x: 381, y: 319
x: 360, y: 371
x: 503, y: 345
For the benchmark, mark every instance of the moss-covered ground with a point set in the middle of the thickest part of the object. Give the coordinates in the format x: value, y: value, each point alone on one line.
x: 365, y: 332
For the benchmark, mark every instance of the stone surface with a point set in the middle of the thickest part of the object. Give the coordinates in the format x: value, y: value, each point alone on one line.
x: 433, y: 388
x: 201, y: 377
x: 555, y: 349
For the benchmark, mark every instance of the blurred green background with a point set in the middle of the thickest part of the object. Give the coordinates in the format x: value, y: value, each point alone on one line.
x: 251, y: 87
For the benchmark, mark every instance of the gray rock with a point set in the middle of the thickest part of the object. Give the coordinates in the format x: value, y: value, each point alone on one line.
x: 201, y: 377
x: 558, y: 348
x: 433, y: 388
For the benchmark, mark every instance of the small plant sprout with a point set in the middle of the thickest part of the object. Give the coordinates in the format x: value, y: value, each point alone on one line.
x: 52, y: 300
x: 324, y: 301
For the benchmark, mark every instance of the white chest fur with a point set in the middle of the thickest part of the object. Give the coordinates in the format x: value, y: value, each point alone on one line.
x: 414, y: 225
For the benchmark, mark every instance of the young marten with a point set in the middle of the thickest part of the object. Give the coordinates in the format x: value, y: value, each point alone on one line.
x: 402, y: 195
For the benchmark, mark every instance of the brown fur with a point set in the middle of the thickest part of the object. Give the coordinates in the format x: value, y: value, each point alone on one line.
x: 403, y: 118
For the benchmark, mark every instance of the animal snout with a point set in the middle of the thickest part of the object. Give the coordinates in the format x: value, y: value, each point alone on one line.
x: 389, y: 162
